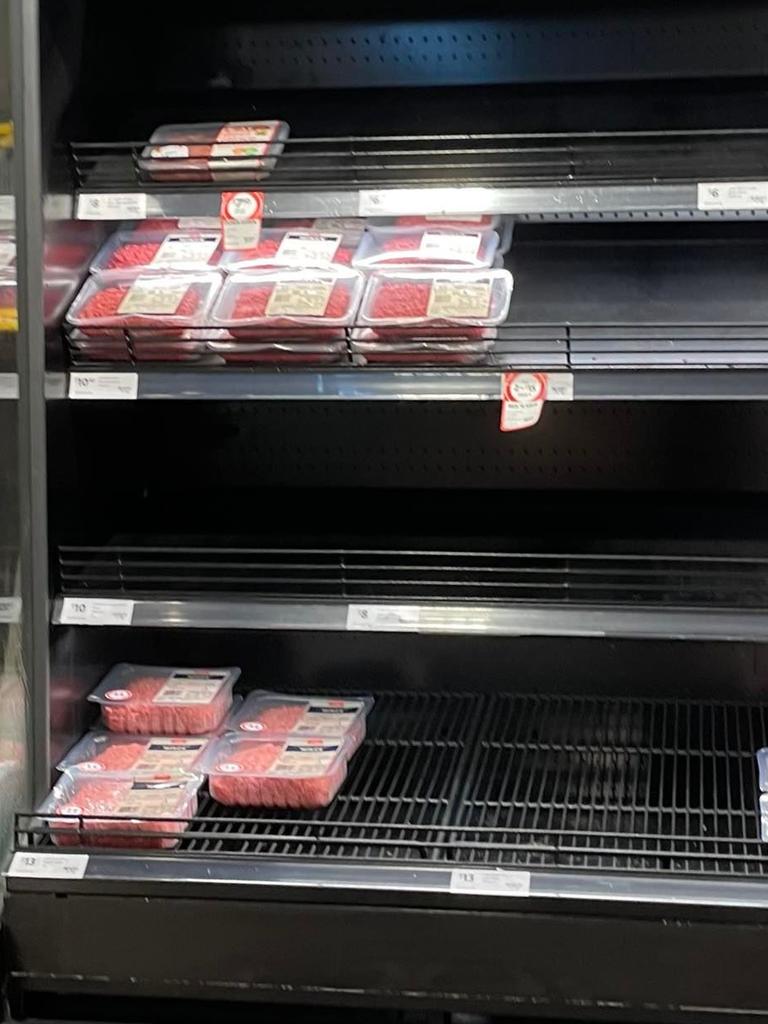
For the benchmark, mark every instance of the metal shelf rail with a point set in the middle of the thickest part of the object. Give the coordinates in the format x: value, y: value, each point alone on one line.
x: 556, y: 174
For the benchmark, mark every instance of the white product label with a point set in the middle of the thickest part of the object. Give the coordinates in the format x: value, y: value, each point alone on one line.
x: 523, y: 396
x: 148, y: 295
x: 330, y: 717
x: 7, y: 253
x: 305, y: 758
x: 520, y: 415
x: 169, y: 152
x: 106, y: 386
x: 559, y: 387
x: 10, y: 610
x: 112, y: 206
x: 96, y: 611
x: 383, y: 618
x: 309, y: 250
x: 497, y: 883
x: 733, y: 195
x: 238, y: 150
x: 190, y: 688
x: 169, y: 753
x: 299, y: 298
x: 447, y: 245
x: 9, y: 386
x: 147, y: 799
x: 48, y: 865
x: 207, y: 223
x: 190, y: 250
x: 244, y: 132
x: 450, y: 298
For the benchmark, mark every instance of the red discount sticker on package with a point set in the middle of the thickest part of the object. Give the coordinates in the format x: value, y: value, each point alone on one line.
x: 241, y: 216
x: 523, y: 396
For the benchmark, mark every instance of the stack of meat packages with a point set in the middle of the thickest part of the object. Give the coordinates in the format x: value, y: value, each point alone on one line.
x: 135, y: 780
x: 436, y: 289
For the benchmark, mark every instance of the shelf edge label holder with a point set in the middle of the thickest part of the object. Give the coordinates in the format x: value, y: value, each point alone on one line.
x: 104, y: 386
x: 112, y: 206
x: 96, y: 611
x: 732, y: 195
x: 48, y: 865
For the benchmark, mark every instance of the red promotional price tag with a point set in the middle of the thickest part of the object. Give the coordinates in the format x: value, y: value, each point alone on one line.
x: 522, y: 399
x: 241, y: 215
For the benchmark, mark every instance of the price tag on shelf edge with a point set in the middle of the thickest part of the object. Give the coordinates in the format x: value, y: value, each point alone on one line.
x: 241, y: 215
x: 111, y: 206
x: 732, y: 195
x: 96, y: 611
x: 105, y: 386
x: 523, y: 396
x: 383, y: 618
x: 48, y: 865
x: 496, y: 883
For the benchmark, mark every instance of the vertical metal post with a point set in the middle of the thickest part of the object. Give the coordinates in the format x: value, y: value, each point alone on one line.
x: 29, y: 189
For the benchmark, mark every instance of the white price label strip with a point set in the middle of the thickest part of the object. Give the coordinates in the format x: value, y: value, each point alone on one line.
x: 48, y: 865
x: 496, y: 883
x: 10, y: 610
x: 105, y: 386
x: 112, y: 206
x: 383, y: 618
x: 733, y: 195
x: 9, y: 386
x: 96, y: 611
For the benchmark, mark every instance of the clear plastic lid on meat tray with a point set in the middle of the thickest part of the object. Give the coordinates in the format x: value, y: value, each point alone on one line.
x: 269, y: 714
x: 286, y: 297
x: 100, y: 751
x: 120, y: 810
x: 143, y: 252
x: 152, y: 699
x: 233, y: 150
x: 466, y: 297
x: 279, y: 351
x: 437, y: 246
x: 460, y: 353
x: 287, y: 771
x: 147, y: 300
x: 294, y: 247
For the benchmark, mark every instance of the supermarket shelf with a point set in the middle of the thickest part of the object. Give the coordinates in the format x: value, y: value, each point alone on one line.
x: 421, y: 384
x: 554, y: 175
x: 459, y: 619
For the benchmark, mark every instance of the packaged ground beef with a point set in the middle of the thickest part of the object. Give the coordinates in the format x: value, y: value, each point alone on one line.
x: 101, y: 751
x: 447, y: 247
x: 300, y: 771
x: 153, y: 699
x: 279, y: 352
x: 218, y: 151
x: 170, y: 301
x: 294, y: 247
x: 272, y: 715
x: 397, y: 298
x: 142, y: 252
x: 288, y: 298
x: 120, y: 810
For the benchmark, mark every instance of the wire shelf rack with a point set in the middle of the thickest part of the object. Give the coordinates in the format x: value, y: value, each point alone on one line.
x: 495, y: 576
x: 583, y: 783
x: 502, y: 159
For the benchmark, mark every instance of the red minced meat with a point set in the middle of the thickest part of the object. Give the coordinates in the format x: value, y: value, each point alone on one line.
x: 244, y: 790
x: 106, y: 303
x: 130, y: 255
x: 91, y: 797
x: 138, y: 714
x: 394, y: 300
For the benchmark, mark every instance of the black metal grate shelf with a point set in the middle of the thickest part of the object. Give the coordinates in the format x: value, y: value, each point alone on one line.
x: 484, y: 159
x: 495, y: 576
x: 524, y: 781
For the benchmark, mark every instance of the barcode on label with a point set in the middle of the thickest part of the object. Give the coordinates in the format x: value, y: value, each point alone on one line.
x: 383, y: 618
x: 500, y: 883
x: 112, y: 206
x: 48, y: 865
x: 96, y: 611
x: 105, y: 386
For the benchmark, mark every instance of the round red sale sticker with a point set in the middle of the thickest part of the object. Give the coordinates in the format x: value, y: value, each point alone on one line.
x: 242, y: 206
x: 525, y: 387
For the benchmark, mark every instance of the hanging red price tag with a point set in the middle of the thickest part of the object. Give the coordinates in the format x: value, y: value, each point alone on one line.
x: 241, y: 215
x: 523, y: 396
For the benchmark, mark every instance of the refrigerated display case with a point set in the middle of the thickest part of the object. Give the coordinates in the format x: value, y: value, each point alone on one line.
x: 555, y: 810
